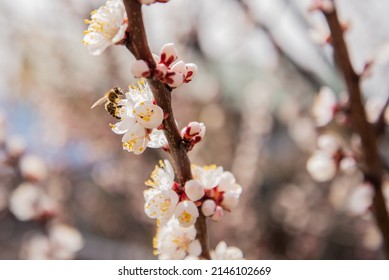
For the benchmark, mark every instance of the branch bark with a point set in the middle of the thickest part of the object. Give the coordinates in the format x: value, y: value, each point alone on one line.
x: 372, y: 165
x: 136, y: 42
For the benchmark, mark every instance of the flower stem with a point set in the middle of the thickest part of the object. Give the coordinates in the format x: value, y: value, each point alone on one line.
x: 136, y: 42
x: 372, y: 165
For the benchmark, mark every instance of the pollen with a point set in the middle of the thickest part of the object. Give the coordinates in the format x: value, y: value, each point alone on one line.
x: 185, y: 217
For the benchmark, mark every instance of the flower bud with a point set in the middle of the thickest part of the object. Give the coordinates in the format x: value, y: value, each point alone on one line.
x: 191, y: 72
x: 194, y: 190
x: 180, y: 67
x: 174, y: 79
x: 230, y: 200
x: 194, y: 131
x: 140, y: 69
x: 208, y: 207
x: 218, y: 215
x: 160, y: 71
x: 168, y: 54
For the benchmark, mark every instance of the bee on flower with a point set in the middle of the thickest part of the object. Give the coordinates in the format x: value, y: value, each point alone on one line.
x: 139, y: 120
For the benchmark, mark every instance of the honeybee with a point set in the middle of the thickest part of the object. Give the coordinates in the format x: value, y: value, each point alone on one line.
x: 111, y: 99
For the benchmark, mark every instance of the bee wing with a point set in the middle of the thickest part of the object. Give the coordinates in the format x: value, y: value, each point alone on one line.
x: 99, y: 102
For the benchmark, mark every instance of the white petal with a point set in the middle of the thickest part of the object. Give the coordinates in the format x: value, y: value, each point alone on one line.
x: 186, y: 213
x: 148, y: 114
x: 208, y: 207
x: 194, y: 190
x: 168, y: 54
x: 157, y: 139
x: 195, y: 248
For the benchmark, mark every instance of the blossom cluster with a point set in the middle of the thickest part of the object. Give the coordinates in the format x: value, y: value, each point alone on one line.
x: 168, y: 70
x: 329, y: 158
x: 212, y: 189
x: 25, y: 192
x: 140, y: 119
x: 174, y: 242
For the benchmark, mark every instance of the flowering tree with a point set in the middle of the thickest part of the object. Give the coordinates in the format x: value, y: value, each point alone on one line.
x: 180, y: 206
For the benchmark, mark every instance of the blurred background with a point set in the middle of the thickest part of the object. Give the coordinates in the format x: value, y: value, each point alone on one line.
x: 261, y: 64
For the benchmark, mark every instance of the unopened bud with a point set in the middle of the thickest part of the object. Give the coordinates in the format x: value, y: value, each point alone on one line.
x: 140, y: 69
x: 208, y: 207
x: 194, y: 190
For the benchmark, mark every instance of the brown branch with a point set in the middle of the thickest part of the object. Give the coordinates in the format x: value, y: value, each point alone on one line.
x: 372, y: 166
x: 380, y: 124
x: 136, y: 42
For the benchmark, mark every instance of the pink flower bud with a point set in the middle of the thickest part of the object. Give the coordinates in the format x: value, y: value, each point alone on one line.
x: 179, y: 67
x: 191, y: 72
x: 194, y: 190
x: 160, y: 71
x: 168, y: 54
x: 140, y: 69
x: 194, y: 131
x: 219, y: 212
x: 174, y: 79
x: 208, y: 207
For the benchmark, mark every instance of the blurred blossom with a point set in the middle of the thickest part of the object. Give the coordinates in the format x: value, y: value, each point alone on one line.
x: 62, y: 242
x: 223, y: 252
x: 321, y: 167
x: 360, y: 199
x: 15, y: 146
x: 28, y: 201
x: 65, y: 240
x: 323, y: 106
x: 33, y: 168
x: 372, y: 238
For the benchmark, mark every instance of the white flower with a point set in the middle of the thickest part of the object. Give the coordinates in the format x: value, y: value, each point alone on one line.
x: 160, y: 199
x: 139, y: 119
x: 223, y: 252
x: 209, y: 176
x: 160, y: 203
x: 107, y: 26
x: 33, y: 168
x: 194, y: 190
x: 65, y: 240
x: 360, y: 199
x: 186, y: 213
x: 147, y: 114
x: 175, y: 242
x: 321, y: 167
x: 29, y: 201
x: 323, y: 107
x: 328, y: 143
x: 162, y: 177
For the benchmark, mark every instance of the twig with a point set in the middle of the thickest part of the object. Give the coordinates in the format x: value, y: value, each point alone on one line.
x: 380, y: 124
x: 372, y: 166
x: 136, y: 42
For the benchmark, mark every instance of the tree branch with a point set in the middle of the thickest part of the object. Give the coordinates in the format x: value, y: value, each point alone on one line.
x: 136, y: 42
x: 372, y: 166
